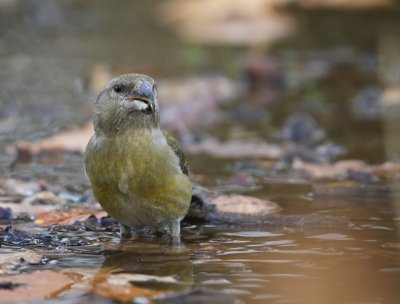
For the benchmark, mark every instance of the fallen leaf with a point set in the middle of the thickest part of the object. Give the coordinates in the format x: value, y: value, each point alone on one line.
x: 241, y: 204
x: 9, y: 262
x: 236, y: 148
x: 68, y: 141
x: 36, y: 286
x: 65, y: 218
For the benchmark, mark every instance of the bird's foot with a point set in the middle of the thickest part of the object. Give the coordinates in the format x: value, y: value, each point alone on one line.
x: 125, y: 232
x: 174, y: 229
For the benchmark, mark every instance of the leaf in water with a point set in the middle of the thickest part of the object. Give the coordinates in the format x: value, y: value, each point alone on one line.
x: 35, y: 286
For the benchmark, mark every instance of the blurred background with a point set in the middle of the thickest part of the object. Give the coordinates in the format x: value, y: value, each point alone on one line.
x: 292, y: 100
x: 335, y: 60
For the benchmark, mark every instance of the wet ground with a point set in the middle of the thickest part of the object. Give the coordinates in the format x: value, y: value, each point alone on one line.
x: 318, y: 96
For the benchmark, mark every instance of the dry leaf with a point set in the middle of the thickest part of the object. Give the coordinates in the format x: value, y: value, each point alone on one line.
x: 241, y: 204
x: 69, y: 141
x: 65, y: 218
x: 35, y: 286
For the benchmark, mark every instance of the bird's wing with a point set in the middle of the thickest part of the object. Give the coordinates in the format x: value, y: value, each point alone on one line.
x: 178, y: 152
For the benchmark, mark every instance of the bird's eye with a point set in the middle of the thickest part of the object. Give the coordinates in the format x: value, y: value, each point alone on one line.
x: 117, y: 88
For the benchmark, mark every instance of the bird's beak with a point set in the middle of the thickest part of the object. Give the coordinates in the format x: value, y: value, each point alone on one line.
x: 143, y: 98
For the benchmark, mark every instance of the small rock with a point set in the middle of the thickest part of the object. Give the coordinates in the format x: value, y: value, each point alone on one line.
x: 6, y: 214
x: 368, y: 103
x: 301, y: 128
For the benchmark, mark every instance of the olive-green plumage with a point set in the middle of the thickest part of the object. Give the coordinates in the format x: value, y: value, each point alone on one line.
x: 137, y: 171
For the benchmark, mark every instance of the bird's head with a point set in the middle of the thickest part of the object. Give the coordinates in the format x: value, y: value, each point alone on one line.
x: 128, y: 101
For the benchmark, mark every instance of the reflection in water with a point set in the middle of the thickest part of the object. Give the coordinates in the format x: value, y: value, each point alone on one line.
x: 151, y: 257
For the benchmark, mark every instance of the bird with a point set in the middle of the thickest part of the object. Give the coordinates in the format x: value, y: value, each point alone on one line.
x: 137, y: 171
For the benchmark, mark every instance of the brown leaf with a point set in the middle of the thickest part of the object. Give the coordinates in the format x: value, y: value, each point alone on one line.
x: 10, y: 261
x: 68, y: 141
x: 64, y: 217
x: 35, y: 286
x: 241, y: 204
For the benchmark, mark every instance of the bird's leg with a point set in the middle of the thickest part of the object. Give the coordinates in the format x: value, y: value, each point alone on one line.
x: 174, y: 228
x: 125, y: 232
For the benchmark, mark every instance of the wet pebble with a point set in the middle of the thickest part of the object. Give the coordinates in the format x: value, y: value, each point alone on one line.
x: 367, y: 103
x: 6, y: 214
x: 11, y: 237
x: 301, y: 128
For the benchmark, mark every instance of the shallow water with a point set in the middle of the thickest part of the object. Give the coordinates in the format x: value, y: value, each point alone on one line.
x: 45, y: 65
